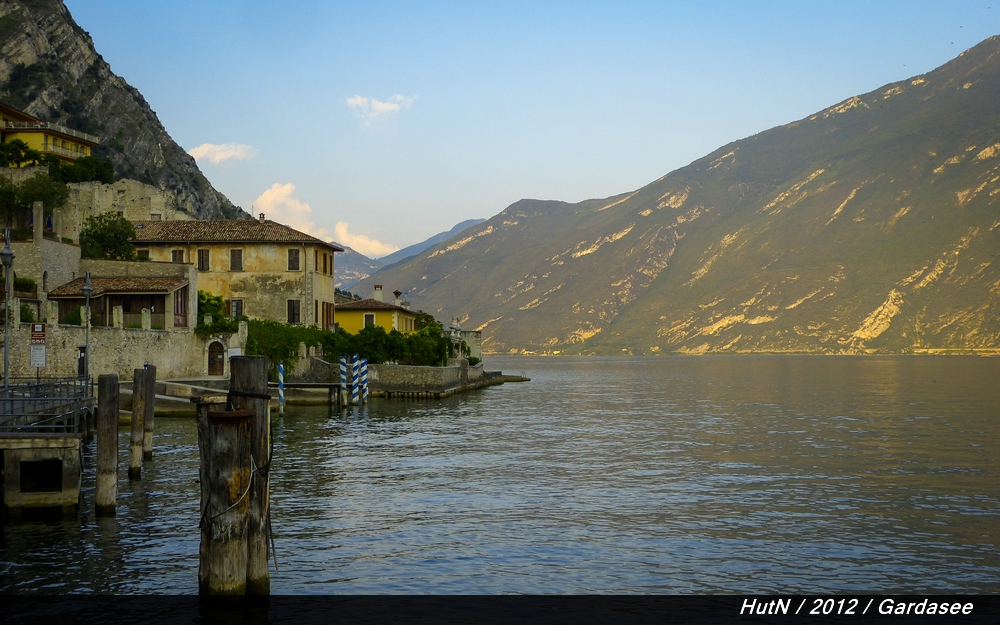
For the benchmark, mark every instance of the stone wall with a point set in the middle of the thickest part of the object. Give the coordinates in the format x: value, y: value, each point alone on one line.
x: 178, y: 353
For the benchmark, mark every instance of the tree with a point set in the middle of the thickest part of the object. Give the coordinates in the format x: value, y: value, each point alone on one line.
x: 83, y: 169
x: 16, y: 200
x: 16, y: 153
x: 109, y: 236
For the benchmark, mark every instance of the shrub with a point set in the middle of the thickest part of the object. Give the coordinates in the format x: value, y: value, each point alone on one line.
x: 27, y: 314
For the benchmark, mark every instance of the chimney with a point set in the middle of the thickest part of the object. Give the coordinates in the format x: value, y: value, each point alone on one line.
x: 378, y: 293
x: 397, y: 293
x: 262, y: 218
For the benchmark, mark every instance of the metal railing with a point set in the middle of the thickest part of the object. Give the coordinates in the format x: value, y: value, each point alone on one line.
x: 9, y: 125
x: 53, y: 405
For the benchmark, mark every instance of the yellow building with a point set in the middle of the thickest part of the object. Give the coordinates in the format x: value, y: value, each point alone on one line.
x: 263, y: 269
x: 355, y: 315
x: 44, y: 137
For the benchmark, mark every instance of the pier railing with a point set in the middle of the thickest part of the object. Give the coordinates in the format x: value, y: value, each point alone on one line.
x: 52, y: 405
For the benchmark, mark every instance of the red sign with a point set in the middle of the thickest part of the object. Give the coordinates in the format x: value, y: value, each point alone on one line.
x: 38, y: 334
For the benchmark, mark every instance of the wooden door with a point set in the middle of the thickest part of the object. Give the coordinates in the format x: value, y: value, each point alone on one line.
x: 216, y: 354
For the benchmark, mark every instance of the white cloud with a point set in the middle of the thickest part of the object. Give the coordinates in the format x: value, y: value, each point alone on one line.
x: 220, y: 153
x: 370, y: 108
x: 280, y: 204
x: 361, y: 243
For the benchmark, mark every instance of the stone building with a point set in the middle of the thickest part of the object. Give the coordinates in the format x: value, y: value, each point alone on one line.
x: 132, y: 199
x: 263, y: 269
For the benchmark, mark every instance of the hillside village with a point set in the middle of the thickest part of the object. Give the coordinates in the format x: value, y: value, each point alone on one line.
x: 146, y: 309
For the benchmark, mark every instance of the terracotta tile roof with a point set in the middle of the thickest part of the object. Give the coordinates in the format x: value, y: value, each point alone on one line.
x: 222, y: 231
x: 372, y: 304
x: 104, y: 286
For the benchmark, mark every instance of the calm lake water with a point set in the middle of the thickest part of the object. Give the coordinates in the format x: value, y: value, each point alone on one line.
x: 601, y: 475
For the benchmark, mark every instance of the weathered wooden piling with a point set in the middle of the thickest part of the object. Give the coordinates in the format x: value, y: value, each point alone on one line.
x: 248, y: 391
x: 235, y: 449
x: 138, y: 416
x: 107, y: 444
x: 147, y: 423
x: 224, y: 446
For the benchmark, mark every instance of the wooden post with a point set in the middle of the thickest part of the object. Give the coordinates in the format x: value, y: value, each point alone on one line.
x: 107, y: 444
x: 138, y: 415
x: 147, y: 424
x: 248, y: 387
x: 224, y: 447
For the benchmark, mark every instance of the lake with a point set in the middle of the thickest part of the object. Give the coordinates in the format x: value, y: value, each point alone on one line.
x: 728, y: 474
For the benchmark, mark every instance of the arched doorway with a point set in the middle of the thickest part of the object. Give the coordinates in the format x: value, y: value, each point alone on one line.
x: 216, y: 359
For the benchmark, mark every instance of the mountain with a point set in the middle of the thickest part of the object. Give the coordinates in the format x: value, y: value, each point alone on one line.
x: 50, y: 69
x: 353, y: 266
x: 416, y: 248
x: 872, y: 226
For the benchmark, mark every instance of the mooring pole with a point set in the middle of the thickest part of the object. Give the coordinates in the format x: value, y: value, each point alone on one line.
x: 107, y: 444
x: 248, y: 390
x: 147, y: 423
x: 224, y: 447
x: 364, y: 380
x: 342, y: 391
x: 138, y: 416
x: 355, y: 363
x: 281, y: 389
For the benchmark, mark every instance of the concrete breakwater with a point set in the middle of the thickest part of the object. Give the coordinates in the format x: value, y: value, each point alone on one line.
x: 177, y: 398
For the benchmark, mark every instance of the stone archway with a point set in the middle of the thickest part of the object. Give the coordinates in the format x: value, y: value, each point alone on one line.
x: 216, y: 358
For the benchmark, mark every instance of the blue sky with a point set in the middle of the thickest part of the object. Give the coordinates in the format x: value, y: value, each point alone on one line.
x: 380, y: 124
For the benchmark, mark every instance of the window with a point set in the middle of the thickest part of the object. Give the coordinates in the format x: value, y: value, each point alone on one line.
x: 234, y: 307
x: 316, y: 260
x: 294, y: 315
x: 142, y: 254
x: 293, y: 260
x: 324, y: 262
x: 235, y: 260
x: 203, y: 258
x: 369, y: 319
x: 180, y: 307
x: 316, y: 312
x: 156, y: 216
x: 177, y: 256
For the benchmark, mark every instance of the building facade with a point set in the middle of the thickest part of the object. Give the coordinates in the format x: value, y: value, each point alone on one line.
x: 65, y: 143
x: 353, y: 316
x: 262, y: 269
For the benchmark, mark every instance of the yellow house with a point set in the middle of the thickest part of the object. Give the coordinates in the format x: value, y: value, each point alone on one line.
x: 358, y: 314
x: 263, y: 269
x: 65, y: 143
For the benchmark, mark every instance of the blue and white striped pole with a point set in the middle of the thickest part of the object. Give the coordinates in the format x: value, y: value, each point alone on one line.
x: 364, y: 380
x: 343, y: 380
x: 354, y: 380
x: 281, y: 388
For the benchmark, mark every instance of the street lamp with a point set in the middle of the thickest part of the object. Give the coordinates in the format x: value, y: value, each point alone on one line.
x: 7, y: 258
x: 87, y: 290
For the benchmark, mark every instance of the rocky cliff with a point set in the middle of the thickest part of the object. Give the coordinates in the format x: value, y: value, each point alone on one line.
x: 50, y: 69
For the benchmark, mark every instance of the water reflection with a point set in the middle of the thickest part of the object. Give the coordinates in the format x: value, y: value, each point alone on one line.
x: 601, y: 475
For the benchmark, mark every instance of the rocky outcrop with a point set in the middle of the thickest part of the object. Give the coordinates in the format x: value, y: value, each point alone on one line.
x: 50, y: 69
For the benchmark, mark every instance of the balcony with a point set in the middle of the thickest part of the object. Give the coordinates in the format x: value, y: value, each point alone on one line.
x: 9, y: 125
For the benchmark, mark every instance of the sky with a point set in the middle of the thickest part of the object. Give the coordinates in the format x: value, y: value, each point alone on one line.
x: 380, y: 124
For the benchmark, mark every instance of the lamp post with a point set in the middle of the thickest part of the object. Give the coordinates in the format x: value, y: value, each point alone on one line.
x: 7, y: 258
x: 87, y: 290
